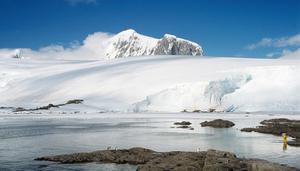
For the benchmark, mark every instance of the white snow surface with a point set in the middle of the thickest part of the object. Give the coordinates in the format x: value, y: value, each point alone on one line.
x: 154, y: 83
x: 129, y: 43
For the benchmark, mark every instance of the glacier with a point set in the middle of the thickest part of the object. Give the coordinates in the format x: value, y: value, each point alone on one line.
x: 154, y: 83
x: 197, y: 96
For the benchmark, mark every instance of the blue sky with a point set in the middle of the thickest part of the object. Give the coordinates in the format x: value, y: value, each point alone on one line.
x: 223, y: 27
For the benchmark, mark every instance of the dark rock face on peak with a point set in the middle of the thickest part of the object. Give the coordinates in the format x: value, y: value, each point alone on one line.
x: 130, y: 43
x: 170, y: 45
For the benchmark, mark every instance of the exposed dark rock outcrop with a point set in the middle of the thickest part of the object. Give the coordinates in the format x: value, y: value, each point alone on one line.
x: 294, y: 142
x: 130, y: 43
x: 218, y: 123
x: 279, y: 126
x: 183, y: 123
x: 6, y: 108
x: 149, y: 160
x: 47, y: 107
x: 75, y: 101
x: 171, y: 45
x: 210, y: 110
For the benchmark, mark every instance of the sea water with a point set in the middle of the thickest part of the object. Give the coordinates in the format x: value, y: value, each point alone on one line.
x: 24, y: 137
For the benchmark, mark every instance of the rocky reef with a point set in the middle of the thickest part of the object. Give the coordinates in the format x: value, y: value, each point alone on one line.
x: 149, y: 160
x: 279, y: 126
x: 184, y: 124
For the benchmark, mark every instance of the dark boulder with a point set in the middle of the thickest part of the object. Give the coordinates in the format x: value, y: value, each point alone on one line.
x: 218, y: 123
x: 183, y: 123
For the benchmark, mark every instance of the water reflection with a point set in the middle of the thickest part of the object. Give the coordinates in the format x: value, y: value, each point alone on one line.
x: 284, y: 140
x: 284, y: 147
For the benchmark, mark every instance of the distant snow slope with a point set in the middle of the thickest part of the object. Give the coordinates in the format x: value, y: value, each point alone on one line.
x: 154, y: 83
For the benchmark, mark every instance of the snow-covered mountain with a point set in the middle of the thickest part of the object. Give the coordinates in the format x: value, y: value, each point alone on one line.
x: 130, y: 43
x: 101, y: 45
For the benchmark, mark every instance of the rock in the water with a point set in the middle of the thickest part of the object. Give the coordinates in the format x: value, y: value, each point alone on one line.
x: 183, y: 126
x: 186, y: 127
x: 295, y: 142
x: 218, y: 123
x: 131, y: 156
x: 183, y: 123
x: 277, y: 127
x: 247, y: 129
x: 149, y: 160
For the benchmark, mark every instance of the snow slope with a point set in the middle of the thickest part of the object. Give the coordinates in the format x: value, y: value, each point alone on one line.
x: 154, y: 83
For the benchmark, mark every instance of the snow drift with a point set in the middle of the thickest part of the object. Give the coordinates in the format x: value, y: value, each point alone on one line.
x: 154, y: 83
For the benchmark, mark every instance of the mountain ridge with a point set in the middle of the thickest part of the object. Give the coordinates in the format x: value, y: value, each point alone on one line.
x: 130, y: 43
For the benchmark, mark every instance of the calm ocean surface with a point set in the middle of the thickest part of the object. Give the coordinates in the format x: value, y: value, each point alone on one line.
x: 24, y: 137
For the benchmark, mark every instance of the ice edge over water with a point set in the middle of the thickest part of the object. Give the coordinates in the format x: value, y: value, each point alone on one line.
x: 203, y: 96
x: 153, y: 84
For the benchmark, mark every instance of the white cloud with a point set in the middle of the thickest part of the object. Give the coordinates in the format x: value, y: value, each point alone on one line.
x: 288, y: 41
x: 263, y: 43
x: 288, y: 54
x: 76, y: 2
x: 273, y: 54
x: 52, y: 48
x: 280, y: 42
x: 93, y: 47
x: 282, y: 53
x: 96, y: 42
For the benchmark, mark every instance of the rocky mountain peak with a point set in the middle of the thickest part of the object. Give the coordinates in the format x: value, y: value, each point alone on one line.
x: 130, y: 43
